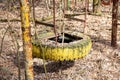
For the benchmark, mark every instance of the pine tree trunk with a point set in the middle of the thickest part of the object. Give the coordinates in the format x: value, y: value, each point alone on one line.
x: 114, y: 23
x: 27, y: 45
x: 96, y: 7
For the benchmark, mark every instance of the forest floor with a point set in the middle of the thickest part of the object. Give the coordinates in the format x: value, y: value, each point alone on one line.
x: 102, y: 63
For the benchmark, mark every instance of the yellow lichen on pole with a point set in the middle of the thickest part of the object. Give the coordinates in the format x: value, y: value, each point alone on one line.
x: 27, y: 45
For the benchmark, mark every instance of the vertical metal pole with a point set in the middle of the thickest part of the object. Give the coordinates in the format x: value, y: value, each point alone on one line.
x: 85, y: 15
x: 33, y: 15
x: 54, y: 21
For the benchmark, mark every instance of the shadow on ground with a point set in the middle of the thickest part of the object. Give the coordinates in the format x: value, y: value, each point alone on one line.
x: 21, y: 57
x: 50, y: 66
x: 76, y: 19
x: 100, y: 40
x: 54, y: 66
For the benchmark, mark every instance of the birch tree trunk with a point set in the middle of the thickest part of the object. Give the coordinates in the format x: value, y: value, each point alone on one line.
x: 27, y: 45
x: 114, y: 23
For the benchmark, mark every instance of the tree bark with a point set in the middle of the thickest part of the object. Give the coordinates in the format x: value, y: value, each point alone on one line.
x: 96, y: 7
x: 114, y: 23
x: 27, y: 45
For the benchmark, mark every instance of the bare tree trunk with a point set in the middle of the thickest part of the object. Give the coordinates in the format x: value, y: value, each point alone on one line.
x: 96, y: 7
x: 73, y: 4
x: 64, y: 1
x: 65, y: 4
x: 27, y: 45
x: 87, y: 5
x: 114, y: 23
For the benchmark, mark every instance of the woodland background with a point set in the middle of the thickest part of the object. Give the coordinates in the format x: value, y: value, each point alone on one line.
x: 102, y: 63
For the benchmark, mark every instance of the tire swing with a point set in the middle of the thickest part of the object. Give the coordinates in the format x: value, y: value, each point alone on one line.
x: 76, y: 45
